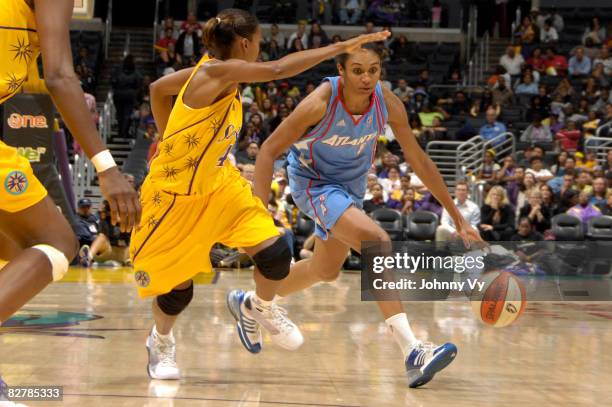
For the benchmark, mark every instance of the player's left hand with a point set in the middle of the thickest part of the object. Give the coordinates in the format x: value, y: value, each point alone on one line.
x: 123, y: 200
x: 355, y: 43
x: 469, y: 235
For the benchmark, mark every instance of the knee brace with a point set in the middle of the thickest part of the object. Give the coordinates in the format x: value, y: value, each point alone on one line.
x: 175, y: 302
x: 59, y: 262
x: 274, y: 261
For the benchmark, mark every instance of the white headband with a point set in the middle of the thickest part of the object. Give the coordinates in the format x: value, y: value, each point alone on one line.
x: 218, y: 20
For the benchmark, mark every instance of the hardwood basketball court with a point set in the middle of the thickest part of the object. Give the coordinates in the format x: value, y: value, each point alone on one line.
x: 87, y: 333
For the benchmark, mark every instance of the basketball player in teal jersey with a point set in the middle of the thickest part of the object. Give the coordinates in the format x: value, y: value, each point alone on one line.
x: 332, y: 137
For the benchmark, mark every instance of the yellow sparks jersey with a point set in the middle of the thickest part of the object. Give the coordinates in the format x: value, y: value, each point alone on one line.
x: 193, y: 154
x: 19, y: 46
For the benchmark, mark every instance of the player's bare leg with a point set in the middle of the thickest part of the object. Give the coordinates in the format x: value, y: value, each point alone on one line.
x: 161, y: 344
x: 47, y: 244
x: 352, y: 228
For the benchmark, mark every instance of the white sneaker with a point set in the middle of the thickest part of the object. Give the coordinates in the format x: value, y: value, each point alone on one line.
x: 274, y: 319
x: 162, y: 357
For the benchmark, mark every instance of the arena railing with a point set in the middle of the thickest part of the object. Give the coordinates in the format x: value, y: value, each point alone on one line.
x: 108, y: 26
x: 599, y: 145
x: 601, y: 128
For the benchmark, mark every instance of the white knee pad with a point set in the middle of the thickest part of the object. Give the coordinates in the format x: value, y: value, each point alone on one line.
x: 59, y: 262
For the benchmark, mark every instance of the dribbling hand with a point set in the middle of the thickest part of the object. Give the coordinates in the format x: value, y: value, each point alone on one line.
x: 123, y: 200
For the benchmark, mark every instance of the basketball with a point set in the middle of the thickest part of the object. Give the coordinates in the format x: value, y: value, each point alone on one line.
x: 502, y: 299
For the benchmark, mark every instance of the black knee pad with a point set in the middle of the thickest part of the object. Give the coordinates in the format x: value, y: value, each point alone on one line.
x: 175, y: 302
x: 274, y: 261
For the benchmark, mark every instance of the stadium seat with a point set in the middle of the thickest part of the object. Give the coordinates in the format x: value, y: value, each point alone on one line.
x: 600, y: 228
x: 390, y: 220
x: 567, y: 228
x: 421, y: 225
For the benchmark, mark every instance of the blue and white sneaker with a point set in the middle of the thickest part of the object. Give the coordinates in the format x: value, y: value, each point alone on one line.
x: 248, y: 329
x: 427, y: 359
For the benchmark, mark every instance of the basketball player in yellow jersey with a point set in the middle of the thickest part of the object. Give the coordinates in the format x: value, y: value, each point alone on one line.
x: 35, y: 238
x: 193, y: 197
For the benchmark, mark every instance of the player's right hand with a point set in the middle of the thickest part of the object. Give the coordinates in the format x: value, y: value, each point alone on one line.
x: 123, y: 200
x: 354, y: 44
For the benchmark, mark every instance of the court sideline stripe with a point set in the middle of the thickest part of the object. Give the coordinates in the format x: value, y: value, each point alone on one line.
x: 286, y: 403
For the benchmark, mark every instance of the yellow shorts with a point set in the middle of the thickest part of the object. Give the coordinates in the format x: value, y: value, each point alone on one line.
x: 173, y: 242
x: 19, y: 188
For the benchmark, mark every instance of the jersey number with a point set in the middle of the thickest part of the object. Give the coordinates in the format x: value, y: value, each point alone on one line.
x: 224, y: 156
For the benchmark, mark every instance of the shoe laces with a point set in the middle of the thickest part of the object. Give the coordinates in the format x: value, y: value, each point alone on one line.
x: 279, y: 314
x: 166, y: 351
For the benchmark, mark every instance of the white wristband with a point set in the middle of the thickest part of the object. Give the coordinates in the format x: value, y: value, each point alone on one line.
x: 103, y: 161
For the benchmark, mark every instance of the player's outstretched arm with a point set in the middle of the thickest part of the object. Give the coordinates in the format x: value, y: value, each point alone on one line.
x: 307, y: 114
x: 162, y: 91
x: 240, y: 71
x: 423, y: 166
x: 53, y: 22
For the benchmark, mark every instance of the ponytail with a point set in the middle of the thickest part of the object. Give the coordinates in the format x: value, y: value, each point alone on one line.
x: 220, y: 32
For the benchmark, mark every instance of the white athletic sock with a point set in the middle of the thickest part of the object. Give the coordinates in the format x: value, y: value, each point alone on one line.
x: 160, y: 336
x: 400, y: 328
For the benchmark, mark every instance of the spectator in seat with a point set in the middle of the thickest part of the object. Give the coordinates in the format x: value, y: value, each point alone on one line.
x: 579, y: 64
x: 278, y: 36
x: 168, y: 24
x: 110, y: 245
x: 526, y: 232
x: 536, y: 107
x: 296, y: 46
x: 587, y: 162
x: 526, y: 86
x: 301, y: 35
x: 569, y: 183
x: 351, y: 11
x: 549, y: 34
x: 537, y: 61
x: 317, y: 35
x: 606, y: 209
x: 392, y: 182
x: 424, y: 79
x: 492, y: 128
x: 536, y: 212
x: 429, y: 203
x: 86, y: 223
x: 428, y: 113
x: 599, y: 192
x: 502, y: 94
x: 549, y: 201
x: 583, y: 210
x: 403, y: 91
x: 565, y: 90
x: 569, y: 137
x: 584, y: 182
x: 537, y: 132
x: 496, y: 216
x: 377, y: 201
x: 188, y: 44
x: 512, y: 61
x: 605, y: 59
x: 402, y: 50
x: 558, y: 169
x: 460, y: 104
x: 556, y: 65
x: 468, y: 209
x: 595, y: 32
x: 191, y: 25
x: 248, y: 156
x: 409, y: 200
x: 538, y: 170
x: 85, y: 58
